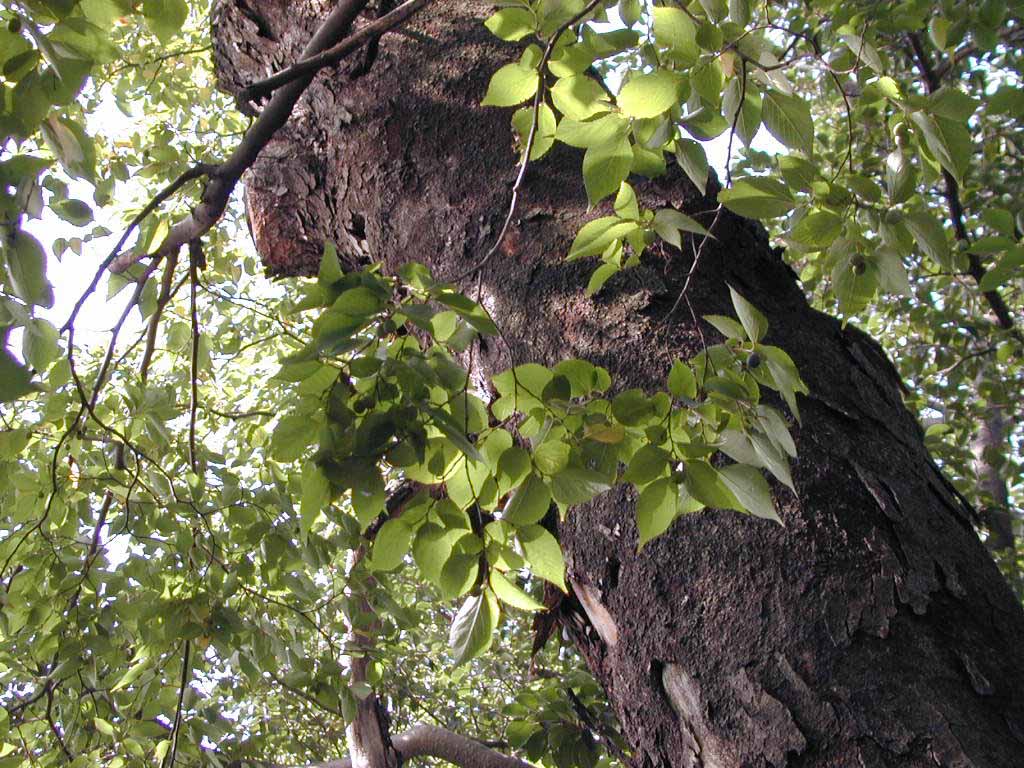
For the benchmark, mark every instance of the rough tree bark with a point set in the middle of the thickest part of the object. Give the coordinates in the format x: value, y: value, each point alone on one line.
x: 872, y: 630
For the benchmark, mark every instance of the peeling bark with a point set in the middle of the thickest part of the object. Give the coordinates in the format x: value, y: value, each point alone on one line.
x: 872, y: 630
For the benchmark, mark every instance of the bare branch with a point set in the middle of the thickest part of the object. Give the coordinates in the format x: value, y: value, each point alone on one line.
x: 423, y: 740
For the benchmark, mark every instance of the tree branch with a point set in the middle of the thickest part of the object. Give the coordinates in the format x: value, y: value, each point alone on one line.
x: 423, y: 740
x: 333, y: 55
x: 952, y: 193
x: 226, y: 176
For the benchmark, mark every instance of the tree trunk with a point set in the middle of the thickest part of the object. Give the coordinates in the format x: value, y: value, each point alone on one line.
x: 872, y: 630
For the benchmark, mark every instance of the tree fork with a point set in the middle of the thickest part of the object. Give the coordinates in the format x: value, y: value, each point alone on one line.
x: 873, y: 629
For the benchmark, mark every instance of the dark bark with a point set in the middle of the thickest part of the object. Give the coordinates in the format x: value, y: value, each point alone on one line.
x: 872, y: 630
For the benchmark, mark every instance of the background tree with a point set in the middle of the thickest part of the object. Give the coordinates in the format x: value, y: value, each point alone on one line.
x: 204, y: 544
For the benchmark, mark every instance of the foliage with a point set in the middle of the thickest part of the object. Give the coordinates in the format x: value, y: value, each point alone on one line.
x: 181, y: 511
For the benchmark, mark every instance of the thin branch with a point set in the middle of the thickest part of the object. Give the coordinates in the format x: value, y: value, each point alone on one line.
x: 313, y: 64
x: 172, y: 754
x: 195, y: 251
x: 166, y: 286
x: 53, y: 725
x: 423, y: 740
x: 195, y: 172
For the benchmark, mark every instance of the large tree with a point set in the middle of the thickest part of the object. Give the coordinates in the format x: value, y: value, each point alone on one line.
x: 435, y: 414
x: 864, y: 630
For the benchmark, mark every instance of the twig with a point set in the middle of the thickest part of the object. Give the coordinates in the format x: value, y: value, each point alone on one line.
x: 195, y: 254
x: 166, y: 285
x: 176, y: 728
x: 195, y: 172
x: 53, y: 726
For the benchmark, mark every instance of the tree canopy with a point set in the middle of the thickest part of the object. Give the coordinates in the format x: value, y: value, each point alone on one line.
x: 244, y: 506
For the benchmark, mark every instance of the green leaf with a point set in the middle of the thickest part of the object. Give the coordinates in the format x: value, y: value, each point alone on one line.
x: 358, y: 302
x: 656, y: 508
x: 291, y: 437
x: 674, y: 30
x: 454, y: 432
x: 316, y: 492
x: 133, y: 673
x: 529, y: 503
x: 647, y: 465
x: 39, y: 343
x: 473, y: 626
x: 70, y: 145
x: 1008, y: 267
x: 650, y: 94
x: 938, y: 29
x: 600, y: 276
x: 754, y: 322
x: 512, y: 84
x: 165, y: 17
x: 595, y: 236
x: 864, y: 51
x: 605, y: 167
x: 757, y: 197
x: 692, y: 159
x: 953, y: 104
x: 739, y: 12
x: 669, y: 223
x: 818, y: 229
x: 948, y: 141
x: 510, y: 594
x: 751, y: 490
x: 930, y: 237
x: 892, y: 274
x: 631, y: 407
x: 626, y: 206
x: 330, y: 268
x: 15, y: 378
x: 749, y: 107
x: 26, y: 269
x: 368, y: 492
x: 579, y: 97
x: 681, y: 381
x: 727, y: 326
x: 542, y: 552
x: 577, y: 485
x: 391, y: 545
x: 74, y: 211
x: 706, y: 485
x: 431, y: 549
x: 511, y: 24
x: 544, y: 136
x: 772, y: 458
x: 602, y: 129
x: 785, y: 375
x: 788, y: 119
